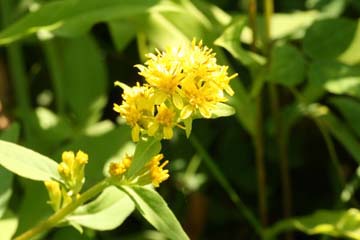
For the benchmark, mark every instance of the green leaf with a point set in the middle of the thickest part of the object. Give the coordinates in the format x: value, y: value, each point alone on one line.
x: 27, y: 163
x: 322, y: 42
x: 155, y: 210
x: 344, y: 223
x: 334, y: 77
x: 222, y: 110
x: 230, y: 40
x: 343, y: 134
x: 122, y: 32
x: 145, y: 150
x: 71, y: 18
x: 84, y: 86
x: 287, y: 65
x: 106, y: 212
x: 350, y: 109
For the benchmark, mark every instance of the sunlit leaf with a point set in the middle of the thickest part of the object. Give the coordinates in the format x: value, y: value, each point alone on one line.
x: 8, y: 225
x: 27, y: 163
x: 155, y: 210
x: 71, y: 18
x: 106, y: 212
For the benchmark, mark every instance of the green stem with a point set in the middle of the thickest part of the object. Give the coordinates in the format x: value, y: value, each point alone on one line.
x: 56, y: 73
x: 54, y: 219
x: 219, y: 176
x: 258, y: 135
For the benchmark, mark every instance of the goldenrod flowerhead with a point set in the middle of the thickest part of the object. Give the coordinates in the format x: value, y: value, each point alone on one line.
x: 181, y: 83
x: 119, y: 168
x: 54, y: 192
x: 165, y: 120
x: 157, y: 173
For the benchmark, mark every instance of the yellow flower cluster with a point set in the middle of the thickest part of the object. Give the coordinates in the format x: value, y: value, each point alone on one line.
x: 153, y: 172
x: 181, y: 84
x: 71, y: 170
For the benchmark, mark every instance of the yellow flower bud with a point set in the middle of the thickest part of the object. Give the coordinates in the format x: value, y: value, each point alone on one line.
x: 54, y: 192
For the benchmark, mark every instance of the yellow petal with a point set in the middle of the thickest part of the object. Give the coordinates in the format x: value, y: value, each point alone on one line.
x: 178, y: 102
x: 135, y: 132
x: 153, y: 128
x: 168, y: 132
x: 186, y: 112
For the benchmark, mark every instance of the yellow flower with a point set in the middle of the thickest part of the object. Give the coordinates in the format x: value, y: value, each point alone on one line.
x: 165, y: 120
x: 164, y: 72
x: 55, y: 195
x: 118, y: 168
x: 157, y: 173
x: 137, y: 107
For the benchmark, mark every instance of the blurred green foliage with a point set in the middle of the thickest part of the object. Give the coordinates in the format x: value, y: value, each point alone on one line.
x: 58, y: 62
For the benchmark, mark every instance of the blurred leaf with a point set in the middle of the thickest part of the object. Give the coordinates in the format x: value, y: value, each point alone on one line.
x: 336, y: 78
x: 350, y: 109
x: 71, y: 18
x: 155, y: 210
x: 106, y: 212
x: 84, y: 85
x: 333, y: 223
x: 230, y: 40
x: 8, y: 225
x: 322, y: 42
x: 70, y: 233
x: 287, y: 65
x: 122, y: 32
x: 27, y: 163
x: 283, y: 25
x: 331, y: 8
x: 145, y: 150
x: 11, y: 134
x: 343, y: 134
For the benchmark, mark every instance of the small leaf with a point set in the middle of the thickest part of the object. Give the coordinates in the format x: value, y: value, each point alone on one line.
x: 122, y: 32
x: 287, y: 65
x: 155, y: 210
x: 106, y: 212
x: 27, y: 163
x: 145, y: 150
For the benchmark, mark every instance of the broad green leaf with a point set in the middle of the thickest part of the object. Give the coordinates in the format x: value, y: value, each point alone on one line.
x: 222, y: 110
x: 70, y: 18
x: 343, y: 223
x: 155, y: 210
x: 8, y: 225
x: 322, y: 42
x: 27, y: 163
x: 84, y: 86
x: 350, y: 109
x: 287, y: 65
x: 106, y: 212
x: 334, y: 77
x: 145, y: 150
